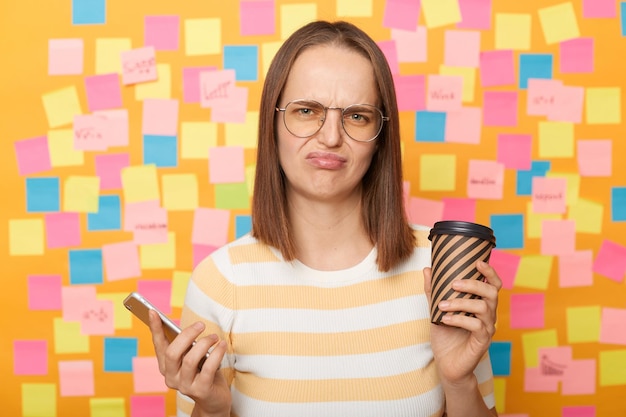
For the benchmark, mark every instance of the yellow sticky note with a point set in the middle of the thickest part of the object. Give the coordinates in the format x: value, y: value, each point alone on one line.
x: 534, y: 272
x: 612, y: 369
x: 108, y: 54
x: 180, y: 280
x: 572, y: 193
x: 68, y: 338
x: 294, y: 16
x: 268, y: 51
x: 534, y: 221
x: 587, y: 215
x: 161, y: 88
x: 26, y: 237
x: 140, y: 183
x: 250, y: 175
x: 243, y: 134
x: 437, y: 172
x: 39, y: 400
x: 180, y: 191
x: 61, y: 106
x: 469, y: 80
x: 603, y: 105
x: 355, y: 8
x: 559, y: 23
x: 556, y: 139
x: 499, y: 390
x: 196, y: 138
x: 203, y: 36
x: 81, y: 194
x: 533, y: 341
x: 439, y: 13
x: 121, y: 318
x: 107, y: 407
x: 61, y: 148
x: 583, y: 324
x: 159, y: 255
x: 232, y: 196
x: 513, y: 31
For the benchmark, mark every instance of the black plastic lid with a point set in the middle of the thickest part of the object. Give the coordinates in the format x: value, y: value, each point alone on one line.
x: 455, y: 227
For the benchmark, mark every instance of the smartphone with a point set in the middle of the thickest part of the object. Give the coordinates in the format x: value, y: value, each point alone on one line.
x: 140, y: 307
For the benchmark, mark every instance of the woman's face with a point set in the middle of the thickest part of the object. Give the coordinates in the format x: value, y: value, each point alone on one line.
x: 329, y: 165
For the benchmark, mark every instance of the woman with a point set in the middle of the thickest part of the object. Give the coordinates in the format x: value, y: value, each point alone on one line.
x: 323, y: 309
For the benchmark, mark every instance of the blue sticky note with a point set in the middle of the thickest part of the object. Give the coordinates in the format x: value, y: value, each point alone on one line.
x: 525, y: 177
x: 509, y: 230
x: 618, y: 204
x: 161, y: 151
x: 500, y: 355
x: 243, y: 225
x: 42, y: 194
x: 430, y: 126
x: 534, y: 66
x: 244, y: 59
x: 108, y: 216
x: 622, y: 8
x: 86, y: 266
x: 88, y: 12
x: 119, y: 353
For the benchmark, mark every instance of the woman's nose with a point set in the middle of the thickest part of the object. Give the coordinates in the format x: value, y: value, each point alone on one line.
x: 331, y: 133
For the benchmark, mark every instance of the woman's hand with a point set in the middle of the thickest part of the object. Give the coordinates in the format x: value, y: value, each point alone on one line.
x: 461, y: 343
x: 179, y: 362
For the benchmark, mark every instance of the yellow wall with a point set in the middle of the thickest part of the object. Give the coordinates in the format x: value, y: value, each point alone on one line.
x: 25, y: 30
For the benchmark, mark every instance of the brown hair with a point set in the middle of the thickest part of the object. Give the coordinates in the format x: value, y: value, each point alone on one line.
x: 383, y: 212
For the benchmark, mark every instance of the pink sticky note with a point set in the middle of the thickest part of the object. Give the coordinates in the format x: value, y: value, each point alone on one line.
x: 410, y: 92
x: 147, y: 406
x: 65, y: 56
x: 226, y: 164
x: 139, y: 65
x: 159, y: 292
x: 391, y: 53
x: 568, y: 105
x: 462, y: 48
x: 444, y: 93
x: 33, y: 155
x: 117, y: 121
x: 411, y: 45
x: 191, y: 83
x: 500, y: 108
x: 580, y: 378
x: 558, y: 237
x: 575, y: 269
x: 463, y: 209
x: 535, y: 381
x: 148, y: 222
x: 76, y: 300
x: 146, y: 375
x: 121, y: 260
x: 515, y: 151
x: 579, y: 411
x: 401, y: 14
x: 611, y: 261
x: 162, y: 32
x: 577, y: 55
x: 44, y: 292
x: 160, y: 117
x: 233, y: 109
x: 200, y: 252
x: 216, y: 87
x: 424, y: 211
x: 475, y: 14
x: 595, y: 157
x: 527, y: 311
x: 464, y: 125
x: 210, y: 227
x: 497, y: 68
x: 506, y: 264
x: 30, y: 357
x: 109, y: 167
x: 541, y: 96
x: 62, y: 230
x: 97, y: 318
x: 549, y: 195
x: 91, y: 132
x: 612, y: 327
x: 257, y: 17
x: 76, y: 378
x: 554, y: 361
x: 485, y: 180
x: 103, y: 92
x: 599, y: 9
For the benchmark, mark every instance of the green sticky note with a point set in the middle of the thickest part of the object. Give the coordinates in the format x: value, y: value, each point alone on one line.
x: 232, y: 196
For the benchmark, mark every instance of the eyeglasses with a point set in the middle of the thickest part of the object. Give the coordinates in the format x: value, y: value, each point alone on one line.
x: 361, y: 122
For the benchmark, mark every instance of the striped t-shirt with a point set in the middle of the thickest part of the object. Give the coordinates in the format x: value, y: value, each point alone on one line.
x: 309, y: 343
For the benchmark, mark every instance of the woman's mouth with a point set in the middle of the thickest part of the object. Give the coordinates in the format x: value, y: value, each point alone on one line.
x: 326, y: 160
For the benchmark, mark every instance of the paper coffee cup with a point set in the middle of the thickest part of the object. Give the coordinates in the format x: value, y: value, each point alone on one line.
x: 456, y: 246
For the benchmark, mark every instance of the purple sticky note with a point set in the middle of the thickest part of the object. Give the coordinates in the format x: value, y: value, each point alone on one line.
x: 33, y: 155
x: 459, y: 209
x: 62, y: 230
x: 30, y: 357
x: 475, y: 14
x: 500, y: 108
x: 257, y: 17
x: 162, y: 32
x: 191, y: 83
x: 410, y: 91
x: 611, y: 261
x: 527, y: 311
x: 497, y: 68
x: 44, y: 292
x: 65, y: 56
x: 515, y: 151
x: 577, y: 55
x: 103, y: 92
x: 109, y: 168
x: 599, y: 9
x: 401, y: 14
x: 160, y: 117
